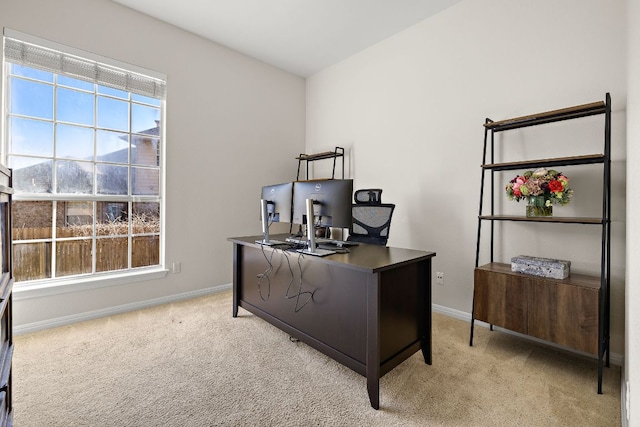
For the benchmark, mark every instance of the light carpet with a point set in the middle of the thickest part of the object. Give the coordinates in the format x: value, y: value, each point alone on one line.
x: 191, y: 363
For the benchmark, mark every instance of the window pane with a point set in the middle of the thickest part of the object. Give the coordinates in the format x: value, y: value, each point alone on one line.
x: 112, y: 219
x: 145, y: 99
x: 145, y: 151
x: 31, y: 220
x: 145, y: 119
x: 112, y: 254
x: 113, y: 179
x: 73, y: 257
x: 113, y: 114
x: 112, y: 147
x: 31, y: 261
x: 31, y: 98
x: 74, y: 142
x: 145, y: 251
x: 33, y: 73
x: 80, y: 84
x: 145, y: 181
x: 74, y: 177
x: 31, y: 137
x: 31, y: 175
x: 105, y: 90
x: 74, y: 219
x: 74, y: 107
x: 146, y: 217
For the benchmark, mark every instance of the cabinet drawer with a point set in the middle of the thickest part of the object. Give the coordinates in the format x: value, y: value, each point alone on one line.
x: 501, y: 300
x: 564, y: 314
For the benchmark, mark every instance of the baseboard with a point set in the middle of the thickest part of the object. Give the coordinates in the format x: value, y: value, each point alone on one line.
x: 624, y: 396
x: 614, y: 358
x: 74, y: 318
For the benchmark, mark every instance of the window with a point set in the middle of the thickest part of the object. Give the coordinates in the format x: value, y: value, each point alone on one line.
x: 84, y: 140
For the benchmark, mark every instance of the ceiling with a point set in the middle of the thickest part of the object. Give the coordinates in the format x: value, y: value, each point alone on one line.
x: 299, y: 36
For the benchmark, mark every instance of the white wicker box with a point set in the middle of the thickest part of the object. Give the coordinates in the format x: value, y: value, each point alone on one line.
x: 545, y: 267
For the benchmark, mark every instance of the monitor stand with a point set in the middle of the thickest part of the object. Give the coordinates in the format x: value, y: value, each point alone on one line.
x: 313, y: 248
x: 264, y: 216
x: 316, y: 252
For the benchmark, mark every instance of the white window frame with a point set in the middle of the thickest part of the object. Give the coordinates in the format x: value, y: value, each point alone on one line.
x: 55, y: 286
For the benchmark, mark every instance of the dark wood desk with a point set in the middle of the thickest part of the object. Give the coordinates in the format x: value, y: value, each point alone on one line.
x: 370, y: 311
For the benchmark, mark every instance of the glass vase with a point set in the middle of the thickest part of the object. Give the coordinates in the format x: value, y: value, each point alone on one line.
x: 536, y: 207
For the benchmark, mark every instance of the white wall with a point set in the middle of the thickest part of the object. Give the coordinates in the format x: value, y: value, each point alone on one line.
x: 632, y: 308
x: 410, y: 111
x: 227, y: 116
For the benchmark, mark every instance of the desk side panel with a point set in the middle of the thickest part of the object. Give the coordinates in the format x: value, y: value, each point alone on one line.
x: 335, y: 316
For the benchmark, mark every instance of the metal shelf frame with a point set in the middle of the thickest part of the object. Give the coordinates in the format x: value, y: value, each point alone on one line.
x: 488, y: 165
x: 338, y: 152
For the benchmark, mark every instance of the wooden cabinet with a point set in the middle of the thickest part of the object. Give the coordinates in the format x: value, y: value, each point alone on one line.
x: 561, y: 311
x: 572, y: 312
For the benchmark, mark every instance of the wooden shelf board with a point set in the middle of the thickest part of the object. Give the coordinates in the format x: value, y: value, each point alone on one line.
x: 584, y: 110
x: 558, y: 219
x: 319, y: 156
x: 583, y: 280
x: 552, y: 162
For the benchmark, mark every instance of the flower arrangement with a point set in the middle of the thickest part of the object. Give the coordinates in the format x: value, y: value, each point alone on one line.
x: 551, y: 186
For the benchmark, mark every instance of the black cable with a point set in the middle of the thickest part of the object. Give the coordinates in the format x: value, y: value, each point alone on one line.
x: 265, y: 275
x: 300, y: 292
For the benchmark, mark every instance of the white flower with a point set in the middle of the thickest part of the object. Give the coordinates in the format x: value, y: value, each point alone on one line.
x: 539, y: 172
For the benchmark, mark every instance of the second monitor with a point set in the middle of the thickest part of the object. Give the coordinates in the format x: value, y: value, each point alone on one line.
x: 324, y: 203
x: 331, y: 201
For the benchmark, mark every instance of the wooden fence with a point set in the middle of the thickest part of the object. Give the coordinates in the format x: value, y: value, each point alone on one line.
x: 32, y: 260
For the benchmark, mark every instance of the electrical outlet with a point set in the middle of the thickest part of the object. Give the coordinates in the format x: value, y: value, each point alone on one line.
x: 176, y: 267
x: 439, y: 278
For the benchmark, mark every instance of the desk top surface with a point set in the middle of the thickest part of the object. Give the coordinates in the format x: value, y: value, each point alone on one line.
x: 370, y: 258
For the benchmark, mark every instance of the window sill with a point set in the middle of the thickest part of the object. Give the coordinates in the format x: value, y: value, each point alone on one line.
x: 57, y: 287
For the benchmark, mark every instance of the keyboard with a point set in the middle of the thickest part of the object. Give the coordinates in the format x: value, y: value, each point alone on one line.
x: 321, y: 240
x: 296, y: 240
x: 338, y: 243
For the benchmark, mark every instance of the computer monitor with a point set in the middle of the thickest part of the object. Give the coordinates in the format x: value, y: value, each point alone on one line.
x: 325, y: 203
x: 275, y: 206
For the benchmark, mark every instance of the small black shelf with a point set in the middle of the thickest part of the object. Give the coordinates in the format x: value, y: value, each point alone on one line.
x: 558, y: 161
x: 337, y: 152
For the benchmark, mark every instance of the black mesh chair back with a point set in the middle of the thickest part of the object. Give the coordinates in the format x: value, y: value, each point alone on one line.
x: 371, y: 217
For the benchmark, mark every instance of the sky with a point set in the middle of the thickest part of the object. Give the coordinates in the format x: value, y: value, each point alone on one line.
x: 39, y: 98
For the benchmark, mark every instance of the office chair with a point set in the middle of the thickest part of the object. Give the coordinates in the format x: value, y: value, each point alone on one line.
x: 371, y: 217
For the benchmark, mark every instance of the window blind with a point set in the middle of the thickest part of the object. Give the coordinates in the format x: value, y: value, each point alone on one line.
x: 29, y: 54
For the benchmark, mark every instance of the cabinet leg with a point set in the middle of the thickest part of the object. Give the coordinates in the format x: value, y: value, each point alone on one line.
x: 471, y: 333
x: 600, y: 375
x: 373, y: 387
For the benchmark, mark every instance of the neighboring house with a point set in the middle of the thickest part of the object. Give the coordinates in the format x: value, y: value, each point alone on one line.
x: 76, y: 177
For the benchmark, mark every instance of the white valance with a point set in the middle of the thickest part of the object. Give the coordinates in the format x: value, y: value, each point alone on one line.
x: 68, y: 62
